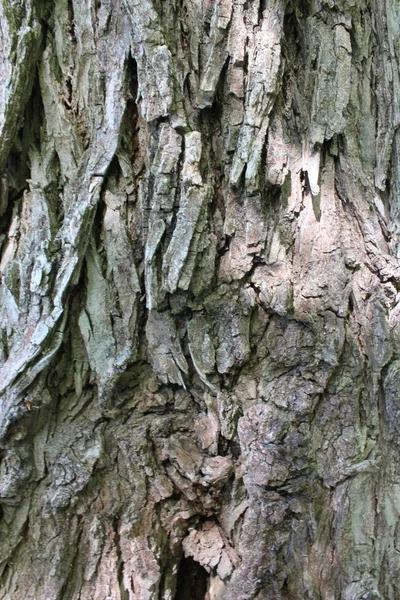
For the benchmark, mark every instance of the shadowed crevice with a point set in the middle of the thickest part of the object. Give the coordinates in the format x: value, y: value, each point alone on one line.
x: 192, y: 583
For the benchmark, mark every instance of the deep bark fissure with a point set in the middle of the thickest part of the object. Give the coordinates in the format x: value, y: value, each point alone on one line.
x: 192, y: 581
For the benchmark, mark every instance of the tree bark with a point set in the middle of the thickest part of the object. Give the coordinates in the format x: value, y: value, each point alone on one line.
x: 199, y: 300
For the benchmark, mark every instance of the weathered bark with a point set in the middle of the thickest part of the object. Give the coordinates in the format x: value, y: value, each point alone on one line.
x: 200, y: 328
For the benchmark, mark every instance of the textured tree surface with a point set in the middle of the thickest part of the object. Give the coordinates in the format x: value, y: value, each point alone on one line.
x: 199, y: 300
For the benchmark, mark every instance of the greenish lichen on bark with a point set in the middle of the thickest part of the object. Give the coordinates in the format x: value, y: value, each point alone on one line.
x: 199, y: 322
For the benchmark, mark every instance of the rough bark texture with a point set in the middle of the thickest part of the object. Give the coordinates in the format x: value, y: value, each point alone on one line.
x: 200, y: 322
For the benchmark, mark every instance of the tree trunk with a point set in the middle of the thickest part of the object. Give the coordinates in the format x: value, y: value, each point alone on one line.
x: 200, y: 322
